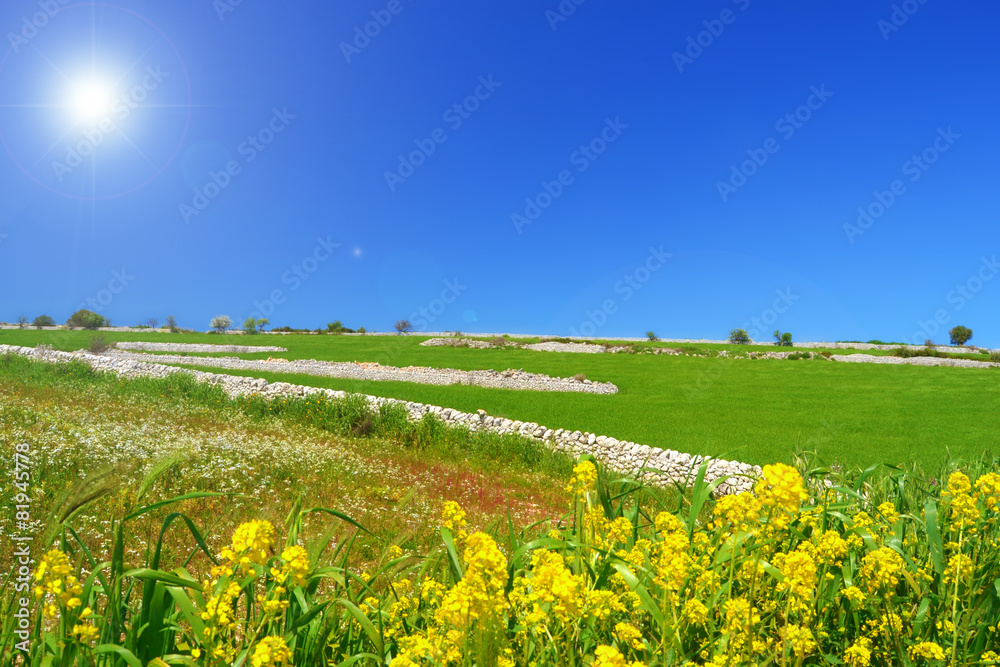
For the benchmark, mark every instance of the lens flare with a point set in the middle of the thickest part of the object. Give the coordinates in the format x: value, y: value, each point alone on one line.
x: 90, y: 100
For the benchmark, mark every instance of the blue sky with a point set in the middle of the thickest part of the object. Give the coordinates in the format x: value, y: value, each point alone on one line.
x: 596, y: 168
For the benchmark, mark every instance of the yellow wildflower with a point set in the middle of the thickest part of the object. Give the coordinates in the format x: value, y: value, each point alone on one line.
x: 584, y: 479
x: 926, y: 650
x: 271, y: 652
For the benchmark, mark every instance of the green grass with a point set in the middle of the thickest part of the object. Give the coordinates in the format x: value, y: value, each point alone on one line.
x: 755, y: 411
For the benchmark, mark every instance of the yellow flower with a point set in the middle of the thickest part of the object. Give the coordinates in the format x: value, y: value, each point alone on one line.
x: 296, y: 565
x: 271, y: 652
x: 853, y: 594
x: 881, y: 568
x: 926, y: 650
x: 988, y: 487
x: 395, y: 552
x: 609, y: 656
x: 251, y: 543
x: 964, y: 512
x: 780, y: 489
x: 667, y: 523
x: 799, y: 640
x: 830, y: 548
x: 84, y: 633
x: 960, y: 568
x: 584, y: 479
x: 629, y: 634
x: 553, y: 584
x: 453, y: 517
x: 958, y: 483
x: 859, y: 653
x: 737, y: 512
x: 480, y: 593
x: 799, y: 571
x: 888, y: 513
x: 695, y: 612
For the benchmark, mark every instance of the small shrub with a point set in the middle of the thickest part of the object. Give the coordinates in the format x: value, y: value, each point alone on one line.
x: 220, y: 323
x: 782, y: 339
x: 651, y: 335
x: 85, y: 319
x: 739, y: 337
x: 795, y: 356
x: 100, y: 344
x: 960, y: 335
x: 995, y: 356
x: 580, y: 377
x: 498, y: 341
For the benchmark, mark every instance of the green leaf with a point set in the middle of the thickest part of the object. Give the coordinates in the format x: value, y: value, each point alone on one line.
x: 934, y: 536
x: 124, y: 653
x: 339, y: 515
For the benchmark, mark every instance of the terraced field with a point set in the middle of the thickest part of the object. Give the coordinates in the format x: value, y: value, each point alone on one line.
x: 757, y: 411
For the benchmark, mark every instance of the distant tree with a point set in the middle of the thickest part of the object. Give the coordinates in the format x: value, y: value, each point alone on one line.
x: 261, y: 323
x: 739, y: 337
x: 337, y: 327
x: 43, y: 321
x: 651, y: 335
x: 403, y: 326
x: 220, y: 323
x: 250, y: 326
x: 153, y: 323
x: 782, y: 339
x: 22, y: 321
x: 361, y: 330
x: 960, y: 335
x: 85, y: 319
x: 171, y: 323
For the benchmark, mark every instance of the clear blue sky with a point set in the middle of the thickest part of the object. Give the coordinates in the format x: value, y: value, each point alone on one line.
x: 622, y: 123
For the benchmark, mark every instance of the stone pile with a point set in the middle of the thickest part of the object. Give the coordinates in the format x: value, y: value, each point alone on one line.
x: 193, y: 347
x: 913, y: 361
x: 657, y: 466
x: 508, y: 379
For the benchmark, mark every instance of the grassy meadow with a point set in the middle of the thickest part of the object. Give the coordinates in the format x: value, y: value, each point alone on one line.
x: 757, y: 411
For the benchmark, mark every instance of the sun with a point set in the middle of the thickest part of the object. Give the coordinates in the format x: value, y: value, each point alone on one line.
x: 90, y: 100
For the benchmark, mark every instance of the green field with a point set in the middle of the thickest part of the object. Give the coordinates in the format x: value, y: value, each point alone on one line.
x: 756, y: 411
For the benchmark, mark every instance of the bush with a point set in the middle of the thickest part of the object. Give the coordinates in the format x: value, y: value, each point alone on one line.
x: 403, y: 326
x: 782, y: 339
x: 580, y: 377
x: 337, y: 328
x: 739, y: 337
x: 995, y: 356
x: 960, y: 335
x: 85, y: 319
x: 220, y: 323
x: 651, y: 335
x: 100, y: 344
x: 43, y: 321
